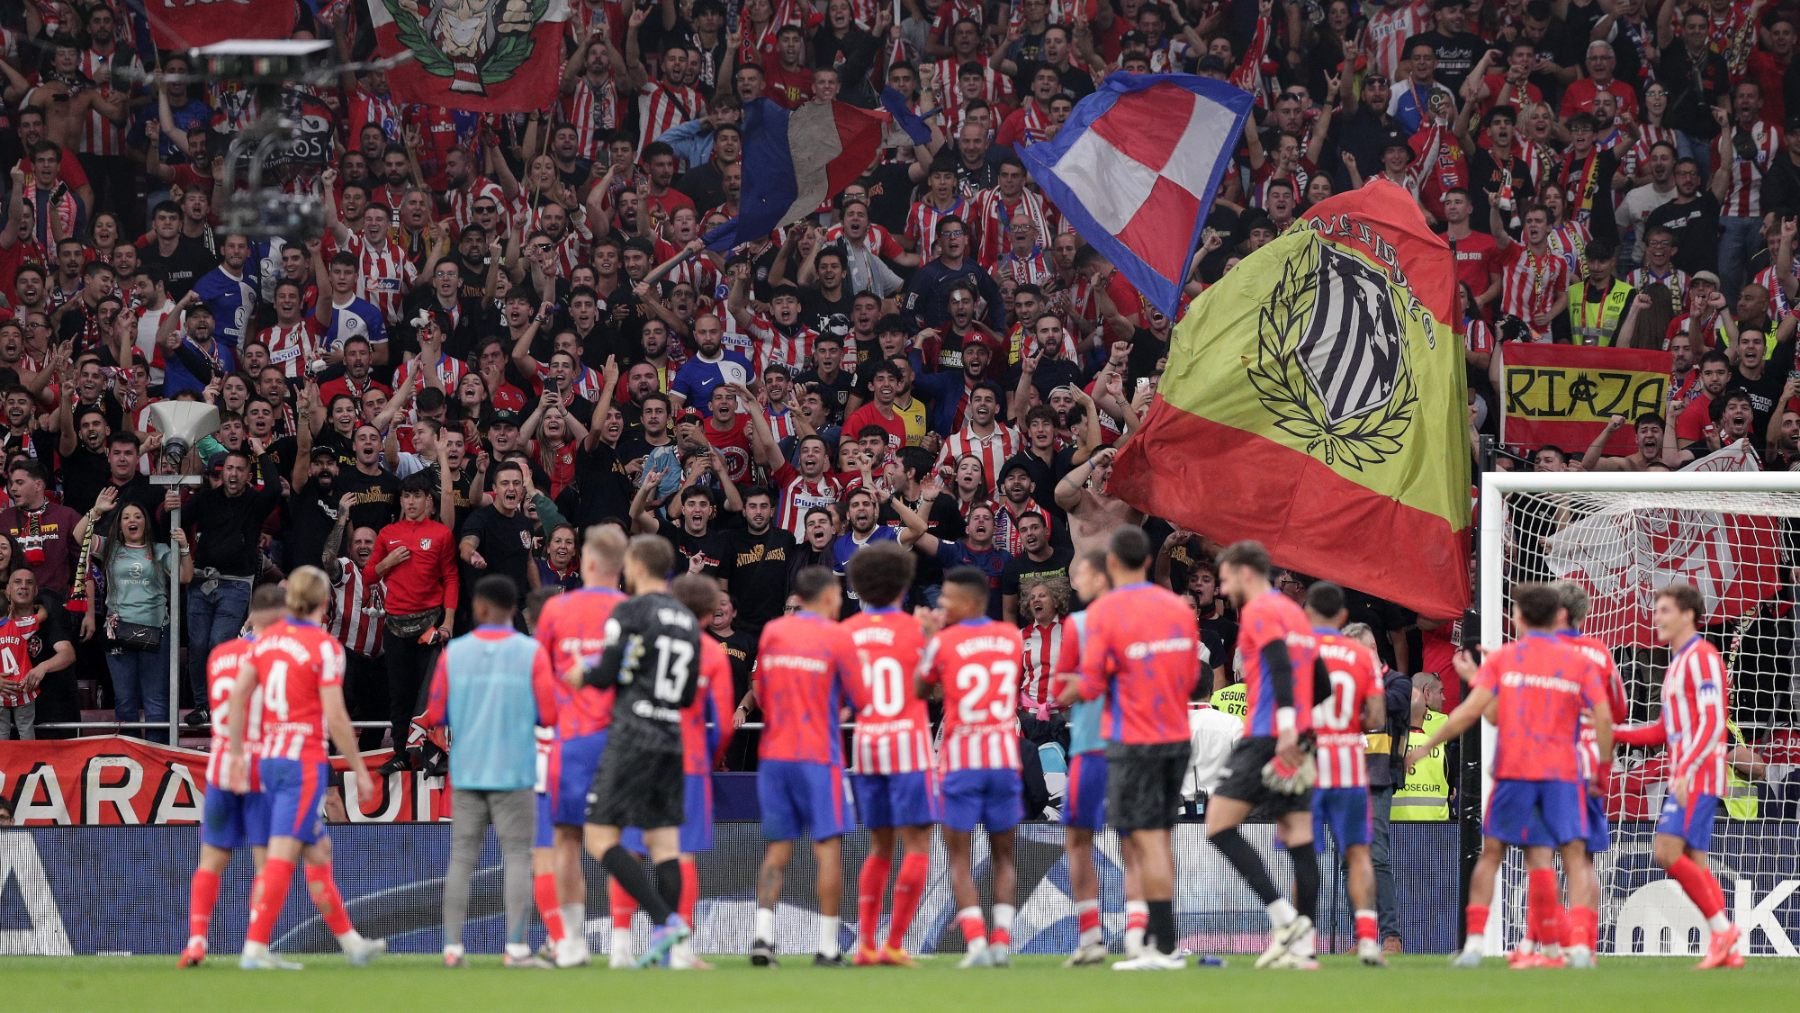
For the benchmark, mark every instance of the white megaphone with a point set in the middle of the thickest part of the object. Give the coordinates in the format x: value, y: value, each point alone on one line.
x: 181, y: 423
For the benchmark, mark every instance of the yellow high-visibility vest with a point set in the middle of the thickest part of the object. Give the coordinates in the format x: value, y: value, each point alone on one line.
x: 1232, y: 700
x: 1740, y: 794
x: 1425, y: 796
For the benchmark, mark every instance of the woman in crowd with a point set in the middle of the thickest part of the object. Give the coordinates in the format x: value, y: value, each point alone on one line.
x: 137, y: 613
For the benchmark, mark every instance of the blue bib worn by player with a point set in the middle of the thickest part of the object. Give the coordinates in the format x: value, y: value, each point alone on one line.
x: 492, y: 713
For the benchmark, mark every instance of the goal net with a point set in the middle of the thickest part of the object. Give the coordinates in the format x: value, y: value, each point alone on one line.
x: 1733, y: 533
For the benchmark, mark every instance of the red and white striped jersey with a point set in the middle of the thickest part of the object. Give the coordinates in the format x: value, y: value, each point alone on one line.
x: 1478, y: 336
x: 1744, y: 199
x: 922, y: 224
x: 1570, y: 242
x: 781, y: 422
x: 996, y: 88
x: 1589, y: 746
x: 1337, y: 719
x: 993, y: 449
x: 595, y: 114
x: 1695, y: 699
x: 990, y: 219
x: 292, y: 347
x: 663, y: 106
x: 356, y: 610
x: 586, y: 384
x: 977, y: 663
x: 461, y: 203
x: 1638, y: 153
x: 295, y: 660
x: 1384, y: 39
x: 878, y: 240
x: 1006, y: 525
x: 222, y: 667
x: 450, y: 370
x: 769, y: 344
x: 893, y: 729
x: 1043, y: 645
x: 1033, y: 268
x: 384, y: 274
x: 99, y: 135
x: 366, y: 107
x: 1530, y: 282
x: 797, y: 494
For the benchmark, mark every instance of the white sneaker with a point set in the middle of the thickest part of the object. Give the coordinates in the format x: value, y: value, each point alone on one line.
x: 1292, y: 961
x: 1152, y: 960
x: 361, y: 952
x: 975, y: 958
x: 999, y: 955
x: 1285, y: 939
x: 621, y: 959
x: 1580, y: 958
x: 1466, y: 957
x: 572, y: 952
x: 1369, y: 952
x: 683, y: 958
x: 265, y: 962
x: 1087, y: 955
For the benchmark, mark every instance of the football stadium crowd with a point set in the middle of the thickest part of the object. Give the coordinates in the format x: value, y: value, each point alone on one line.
x: 510, y: 329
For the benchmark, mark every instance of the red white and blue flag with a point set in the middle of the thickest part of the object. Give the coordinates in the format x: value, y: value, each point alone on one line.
x: 1135, y: 168
x: 794, y: 161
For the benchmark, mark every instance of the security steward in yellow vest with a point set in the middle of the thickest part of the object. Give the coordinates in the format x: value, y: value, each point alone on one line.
x: 1742, y: 769
x: 1425, y: 796
x: 1599, y: 302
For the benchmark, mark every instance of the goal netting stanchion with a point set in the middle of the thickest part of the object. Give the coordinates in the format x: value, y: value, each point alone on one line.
x: 1734, y: 535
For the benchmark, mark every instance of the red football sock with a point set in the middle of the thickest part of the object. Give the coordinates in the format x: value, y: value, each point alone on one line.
x: 1366, y: 927
x: 1583, y: 928
x: 203, y: 893
x: 1000, y: 936
x: 690, y: 890
x: 974, y: 927
x: 624, y: 905
x: 266, y: 898
x: 1545, y: 902
x: 1139, y: 920
x: 1477, y: 916
x: 908, y: 888
x: 543, y: 892
x: 1699, y: 885
x: 1087, y: 916
x: 325, y: 897
x: 871, y: 883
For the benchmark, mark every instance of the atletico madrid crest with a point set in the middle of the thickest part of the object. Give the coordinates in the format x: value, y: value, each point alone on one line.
x: 474, y: 43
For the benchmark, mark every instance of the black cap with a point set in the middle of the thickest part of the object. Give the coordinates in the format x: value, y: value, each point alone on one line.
x: 1793, y: 122
x: 1210, y: 64
x: 322, y: 450
x: 1014, y: 463
x: 504, y: 417
x: 1444, y: 5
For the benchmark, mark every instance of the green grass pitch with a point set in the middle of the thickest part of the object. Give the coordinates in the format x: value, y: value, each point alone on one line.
x: 1033, y: 985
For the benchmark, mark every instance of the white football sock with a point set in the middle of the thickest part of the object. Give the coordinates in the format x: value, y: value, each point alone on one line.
x: 828, y: 936
x: 1281, y: 913
x: 765, y: 925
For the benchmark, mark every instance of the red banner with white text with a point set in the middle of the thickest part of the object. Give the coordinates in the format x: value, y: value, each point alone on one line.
x: 114, y: 780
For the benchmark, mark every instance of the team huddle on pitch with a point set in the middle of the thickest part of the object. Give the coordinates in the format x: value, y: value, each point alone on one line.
x: 634, y: 706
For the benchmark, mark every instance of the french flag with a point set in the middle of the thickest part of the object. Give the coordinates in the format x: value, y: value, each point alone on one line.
x: 794, y: 160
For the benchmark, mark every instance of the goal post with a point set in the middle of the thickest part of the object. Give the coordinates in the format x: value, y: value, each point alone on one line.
x: 1735, y: 535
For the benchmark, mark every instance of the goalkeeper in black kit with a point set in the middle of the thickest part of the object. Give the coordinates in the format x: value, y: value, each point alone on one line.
x: 651, y: 659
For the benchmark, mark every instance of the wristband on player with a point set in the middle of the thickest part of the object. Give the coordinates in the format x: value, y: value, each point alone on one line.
x: 1284, y: 719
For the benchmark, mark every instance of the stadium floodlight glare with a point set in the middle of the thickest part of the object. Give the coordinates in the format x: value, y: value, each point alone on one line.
x: 182, y: 424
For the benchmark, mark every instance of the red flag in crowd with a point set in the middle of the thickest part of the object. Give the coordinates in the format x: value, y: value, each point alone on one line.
x: 185, y: 24
x: 503, y: 59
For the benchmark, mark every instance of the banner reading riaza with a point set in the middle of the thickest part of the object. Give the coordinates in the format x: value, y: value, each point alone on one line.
x: 1564, y: 394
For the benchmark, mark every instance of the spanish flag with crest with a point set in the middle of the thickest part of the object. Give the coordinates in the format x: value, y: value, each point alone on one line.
x: 1315, y: 401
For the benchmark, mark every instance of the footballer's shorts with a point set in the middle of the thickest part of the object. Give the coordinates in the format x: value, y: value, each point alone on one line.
x: 231, y: 821
x: 992, y: 798
x: 545, y: 836
x: 1599, y: 828
x: 800, y: 800
x: 1242, y: 779
x: 1084, y: 801
x: 1346, y: 812
x: 295, y: 790
x: 572, y: 777
x: 1693, y: 823
x: 638, y: 788
x: 1143, y: 784
x: 696, y: 822
x: 1546, y: 814
x: 897, y: 800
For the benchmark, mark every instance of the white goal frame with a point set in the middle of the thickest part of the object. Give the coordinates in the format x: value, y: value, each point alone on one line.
x: 1490, y: 575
